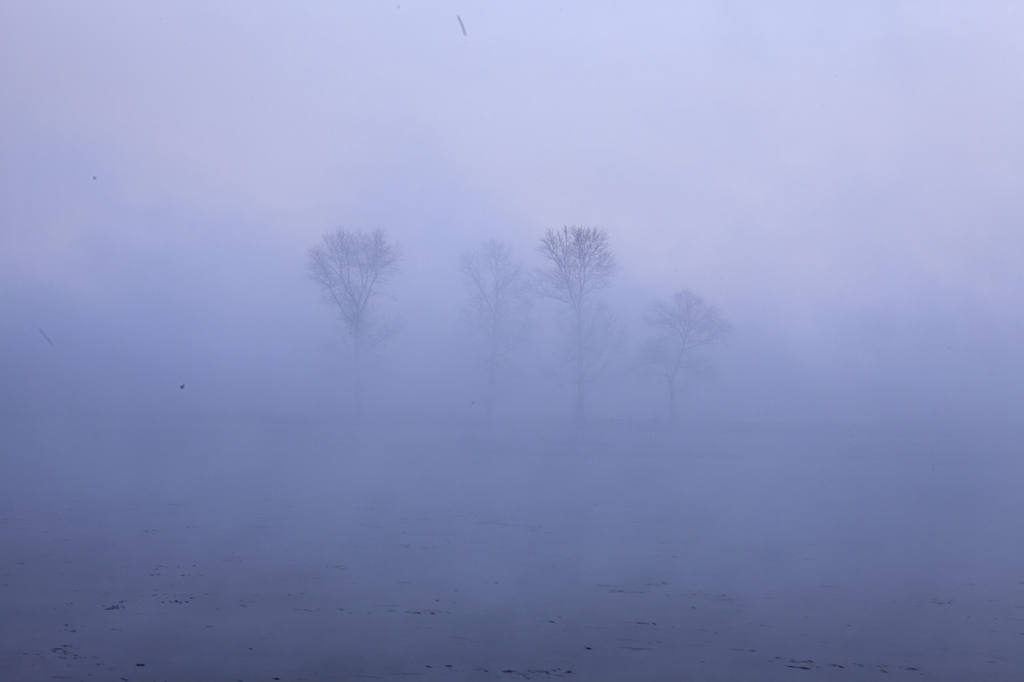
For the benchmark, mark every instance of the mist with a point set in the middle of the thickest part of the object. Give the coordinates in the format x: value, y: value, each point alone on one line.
x: 208, y: 471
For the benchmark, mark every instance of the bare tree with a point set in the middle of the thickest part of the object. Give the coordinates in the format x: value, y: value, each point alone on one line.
x: 351, y: 267
x: 681, y: 324
x: 579, y: 264
x: 498, y: 307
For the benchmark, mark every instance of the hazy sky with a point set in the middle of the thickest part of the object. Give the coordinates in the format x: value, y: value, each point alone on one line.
x: 843, y: 179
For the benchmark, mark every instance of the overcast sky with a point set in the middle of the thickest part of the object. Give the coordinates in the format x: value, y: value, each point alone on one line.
x: 843, y: 179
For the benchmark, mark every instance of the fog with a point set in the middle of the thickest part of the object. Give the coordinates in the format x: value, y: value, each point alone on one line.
x: 190, y: 482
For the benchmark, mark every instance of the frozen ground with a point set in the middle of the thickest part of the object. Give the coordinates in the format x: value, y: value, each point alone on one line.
x: 263, y: 550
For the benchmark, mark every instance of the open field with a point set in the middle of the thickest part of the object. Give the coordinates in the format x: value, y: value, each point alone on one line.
x: 292, y: 551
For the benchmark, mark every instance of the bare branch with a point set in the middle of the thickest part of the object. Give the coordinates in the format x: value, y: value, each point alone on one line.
x: 580, y: 263
x: 498, y: 305
x: 351, y: 267
x: 688, y: 320
x: 681, y: 324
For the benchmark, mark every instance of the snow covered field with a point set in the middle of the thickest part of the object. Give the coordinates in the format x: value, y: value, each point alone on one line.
x: 262, y: 550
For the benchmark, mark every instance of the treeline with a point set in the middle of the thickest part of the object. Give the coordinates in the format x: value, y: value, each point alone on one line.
x: 352, y: 268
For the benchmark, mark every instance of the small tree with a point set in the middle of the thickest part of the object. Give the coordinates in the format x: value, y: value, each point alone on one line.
x: 498, y: 307
x: 351, y: 267
x: 681, y: 324
x: 579, y: 264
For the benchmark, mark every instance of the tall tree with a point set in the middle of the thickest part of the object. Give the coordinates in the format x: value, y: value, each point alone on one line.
x: 351, y: 267
x: 579, y: 264
x: 498, y: 307
x: 680, y: 324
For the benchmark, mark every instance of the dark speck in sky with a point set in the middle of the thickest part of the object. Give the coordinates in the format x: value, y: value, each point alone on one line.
x: 48, y: 339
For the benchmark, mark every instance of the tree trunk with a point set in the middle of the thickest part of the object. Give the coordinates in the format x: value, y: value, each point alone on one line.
x: 580, y: 411
x: 580, y: 367
x: 357, y: 379
x: 492, y: 383
x: 672, y: 409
